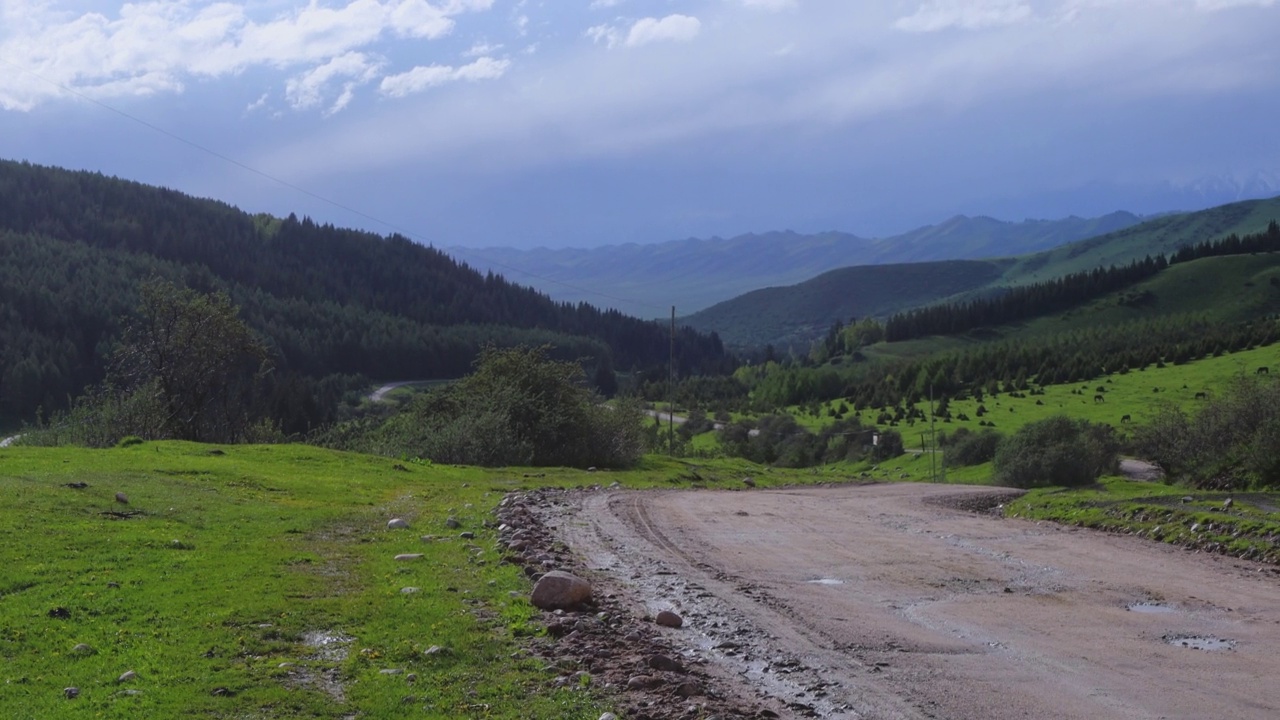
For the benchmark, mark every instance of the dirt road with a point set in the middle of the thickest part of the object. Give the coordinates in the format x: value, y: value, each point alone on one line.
x: 886, y: 601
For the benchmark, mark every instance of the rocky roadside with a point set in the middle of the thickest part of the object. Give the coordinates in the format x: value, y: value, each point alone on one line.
x: 596, y: 640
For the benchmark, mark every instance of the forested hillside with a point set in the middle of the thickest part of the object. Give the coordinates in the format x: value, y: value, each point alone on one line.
x: 330, y: 302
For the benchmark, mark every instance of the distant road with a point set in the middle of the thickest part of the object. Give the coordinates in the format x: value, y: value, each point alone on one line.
x: 381, y: 393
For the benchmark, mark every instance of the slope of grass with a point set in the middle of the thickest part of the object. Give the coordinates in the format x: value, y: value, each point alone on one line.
x: 797, y: 313
x: 1161, y: 235
x: 261, y: 581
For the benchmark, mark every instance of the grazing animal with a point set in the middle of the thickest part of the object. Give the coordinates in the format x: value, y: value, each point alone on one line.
x: 1125, y: 419
x: 1202, y: 396
x: 1264, y: 370
x: 1099, y: 398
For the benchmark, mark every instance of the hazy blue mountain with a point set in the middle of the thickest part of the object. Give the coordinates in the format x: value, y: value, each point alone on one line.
x: 694, y: 274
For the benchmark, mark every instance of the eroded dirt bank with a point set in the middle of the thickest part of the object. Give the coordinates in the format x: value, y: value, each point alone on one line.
x: 888, y: 601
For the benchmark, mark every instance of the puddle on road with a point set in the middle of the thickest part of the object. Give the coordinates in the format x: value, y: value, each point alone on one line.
x: 1150, y: 607
x: 825, y: 581
x: 1195, y: 642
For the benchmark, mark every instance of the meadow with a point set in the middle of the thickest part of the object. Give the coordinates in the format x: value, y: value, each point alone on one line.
x: 261, y: 581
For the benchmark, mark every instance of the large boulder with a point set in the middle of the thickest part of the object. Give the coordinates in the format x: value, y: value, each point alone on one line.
x: 560, y: 590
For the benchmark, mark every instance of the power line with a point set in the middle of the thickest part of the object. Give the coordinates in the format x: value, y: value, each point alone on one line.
x: 299, y: 189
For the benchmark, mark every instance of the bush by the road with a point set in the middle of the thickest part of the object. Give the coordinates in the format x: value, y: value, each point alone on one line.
x: 519, y: 407
x: 965, y: 447
x: 1233, y: 441
x: 1056, y: 451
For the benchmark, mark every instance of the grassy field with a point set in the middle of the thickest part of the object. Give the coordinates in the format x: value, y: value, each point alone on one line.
x: 261, y: 581
x: 1136, y: 394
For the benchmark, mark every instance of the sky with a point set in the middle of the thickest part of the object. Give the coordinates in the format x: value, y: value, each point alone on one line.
x: 578, y: 123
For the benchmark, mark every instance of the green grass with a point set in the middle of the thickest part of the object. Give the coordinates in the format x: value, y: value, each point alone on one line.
x: 1249, y: 529
x: 1133, y: 393
x: 225, y: 559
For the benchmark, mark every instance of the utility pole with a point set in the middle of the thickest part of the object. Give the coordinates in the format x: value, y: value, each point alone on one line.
x: 671, y: 388
x: 933, y: 441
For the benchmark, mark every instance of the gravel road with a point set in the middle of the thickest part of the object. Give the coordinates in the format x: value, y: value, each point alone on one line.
x: 889, y: 601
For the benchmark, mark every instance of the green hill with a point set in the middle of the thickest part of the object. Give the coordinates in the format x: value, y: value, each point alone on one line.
x: 332, y: 303
x: 798, y: 314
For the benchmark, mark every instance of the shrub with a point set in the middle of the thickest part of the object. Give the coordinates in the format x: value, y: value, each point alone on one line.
x: 1233, y: 441
x: 966, y: 447
x: 1056, y: 451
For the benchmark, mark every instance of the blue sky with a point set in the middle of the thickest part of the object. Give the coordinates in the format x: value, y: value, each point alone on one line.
x: 587, y: 122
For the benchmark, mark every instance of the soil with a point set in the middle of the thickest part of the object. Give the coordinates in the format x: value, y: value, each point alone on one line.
x: 895, y: 601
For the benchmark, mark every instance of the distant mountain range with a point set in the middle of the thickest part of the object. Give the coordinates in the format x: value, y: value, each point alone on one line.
x: 646, y: 280
x: 795, y: 315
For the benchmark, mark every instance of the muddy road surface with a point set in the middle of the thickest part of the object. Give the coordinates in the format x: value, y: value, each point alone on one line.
x: 909, y: 601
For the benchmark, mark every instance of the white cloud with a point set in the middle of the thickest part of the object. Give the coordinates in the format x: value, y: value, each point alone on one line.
x: 678, y: 28
x: 309, y: 89
x: 482, y: 49
x: 429, y: 76
x: 967, y: 14
x: 151, y: 46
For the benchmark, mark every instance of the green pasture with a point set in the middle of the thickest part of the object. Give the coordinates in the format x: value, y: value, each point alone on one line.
x: 260, y: 582
x: 1137, y: 393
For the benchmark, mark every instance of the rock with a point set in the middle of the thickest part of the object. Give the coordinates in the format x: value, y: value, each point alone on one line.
x: 409, y: 590
x: 591, y: 469
x: 391, y: 671
x: 642, y: 682
x: 666, y: 618
x: 452, y: 523
x: 688, y: 689
x: 83, y: 649
x: 71, y: 693
x: 468, y: 535
x: 409, y: 556
x: 749, y: 482
x: 663, y: 663
x: 558, y: 589
x: 397, y: 524
x: 608, y: 716
x: 1227, y: 503
x: 122, y: 498
x: 127, y: 676
x: 435, y: 650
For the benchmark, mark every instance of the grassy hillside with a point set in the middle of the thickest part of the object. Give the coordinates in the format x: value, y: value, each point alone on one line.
x: 798, y: 313
x: 1220, y: 289
x: 883, y: 290
x: 261, y: 581
x: 1162, y: 235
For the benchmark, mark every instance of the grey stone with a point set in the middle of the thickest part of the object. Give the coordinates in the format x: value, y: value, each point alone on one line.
x: 127, y: 676
x: 452, y: 523
x: 71, y: 693
x: 666, y: 618
x: 397, y: 524
x: 559, y: 589
x: 409, y: 556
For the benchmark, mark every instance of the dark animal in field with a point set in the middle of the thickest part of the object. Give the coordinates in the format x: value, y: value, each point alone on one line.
x: 1264, y: 370
x: 1099, y: 398
x: 1202, y: 396
x: 1101, y: 389
x: 1125, y: 419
